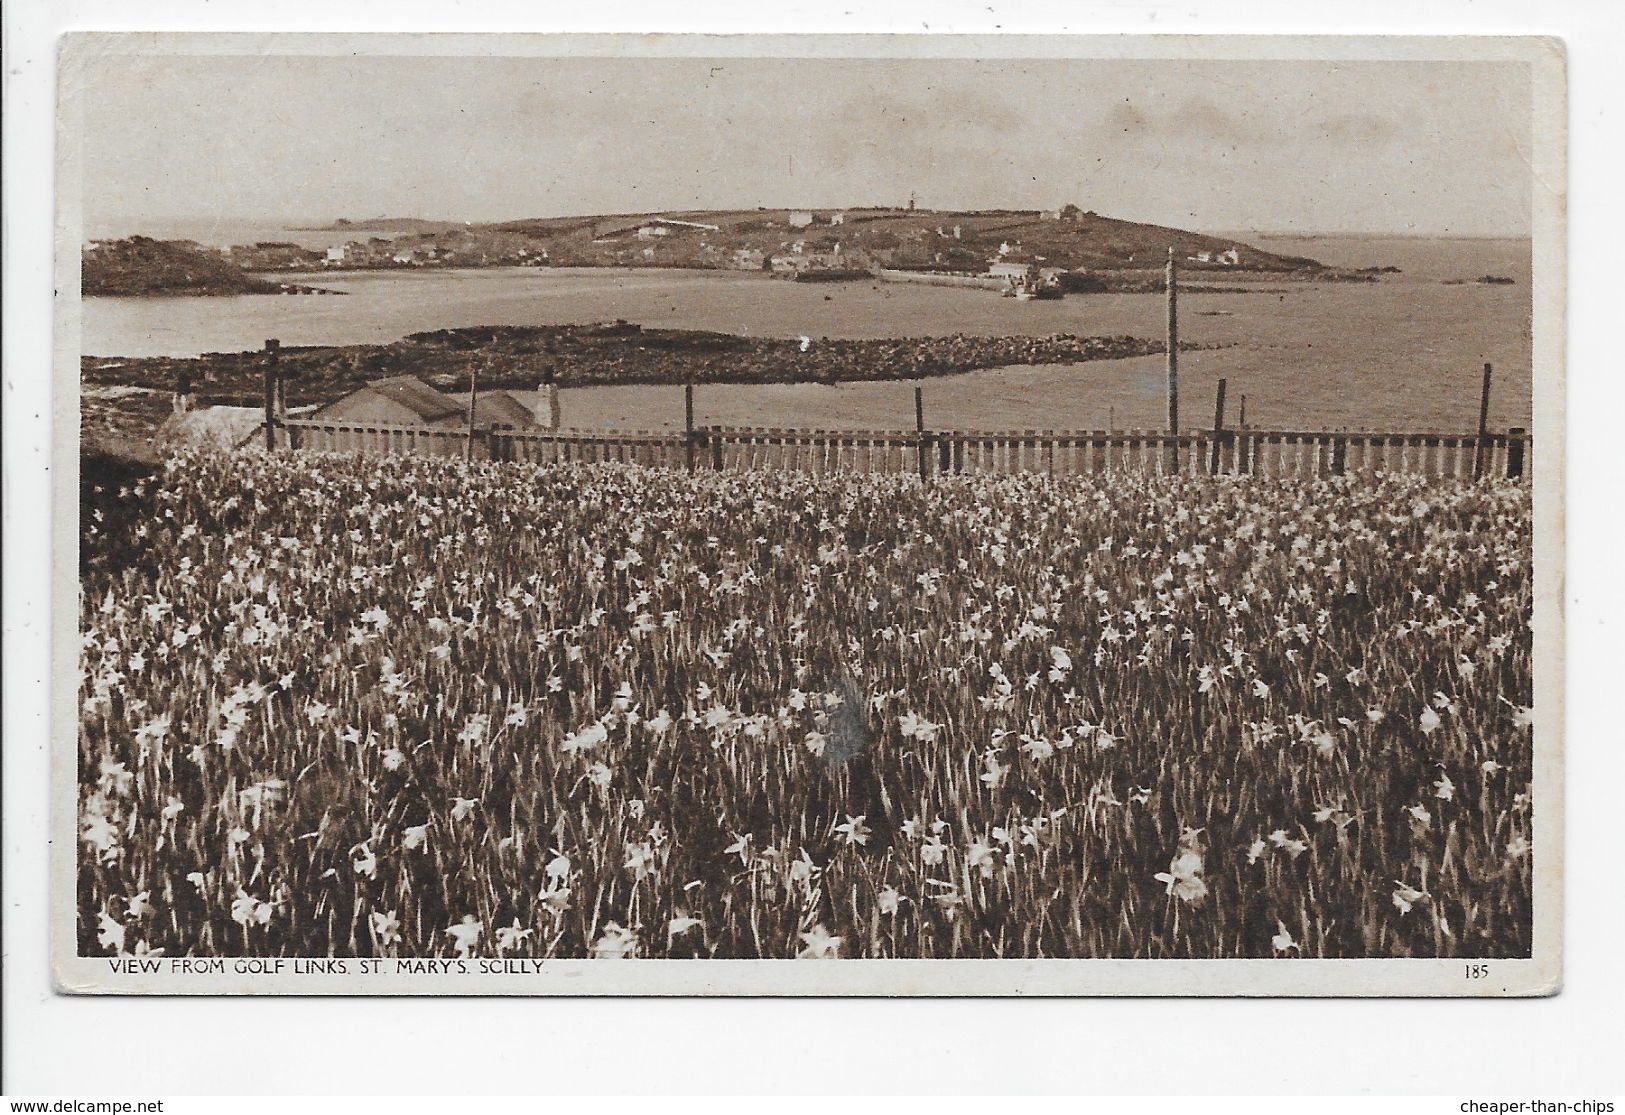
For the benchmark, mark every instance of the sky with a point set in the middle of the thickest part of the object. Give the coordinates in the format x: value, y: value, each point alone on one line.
x: 1374, y: 147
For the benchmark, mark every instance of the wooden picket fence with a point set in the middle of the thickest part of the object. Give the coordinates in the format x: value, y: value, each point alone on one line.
x: 1282, y: 453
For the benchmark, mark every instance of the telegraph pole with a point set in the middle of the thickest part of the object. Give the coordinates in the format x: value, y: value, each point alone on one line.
x: 473, y: 400
x: 272, y: 391
x: 1481, y: 449
x: 1173, y: 360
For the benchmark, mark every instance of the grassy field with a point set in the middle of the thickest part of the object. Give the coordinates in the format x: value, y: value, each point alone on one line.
x: 421, y: 708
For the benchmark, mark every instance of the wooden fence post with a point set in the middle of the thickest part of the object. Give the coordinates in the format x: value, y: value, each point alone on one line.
x: 1515, y: 444
x: 919, y: 433
x: 1243, y: 451
x: 473, y: 400
x: 1172, y: 282
x: 272, y: 374
x: 1218, y: 430
x: 1340, y: 455
x: 716, y: 448
x: 688, y: 426
x: 1483, y: 426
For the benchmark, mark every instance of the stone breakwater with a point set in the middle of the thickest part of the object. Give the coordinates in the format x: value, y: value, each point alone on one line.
x: 604, y: 354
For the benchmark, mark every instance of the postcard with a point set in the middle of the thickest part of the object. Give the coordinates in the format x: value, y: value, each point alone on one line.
x: 623, y: 515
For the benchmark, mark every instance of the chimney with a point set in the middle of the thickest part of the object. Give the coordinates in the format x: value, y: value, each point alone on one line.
x: 183, y: 392
x: 547, y: 400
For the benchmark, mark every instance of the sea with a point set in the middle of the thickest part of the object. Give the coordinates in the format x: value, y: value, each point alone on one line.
x: 1405, y: 353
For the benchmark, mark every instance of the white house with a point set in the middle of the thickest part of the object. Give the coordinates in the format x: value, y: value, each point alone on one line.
x: 800, y: 219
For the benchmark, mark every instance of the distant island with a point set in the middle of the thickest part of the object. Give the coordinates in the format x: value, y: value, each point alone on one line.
x: 1075, y: 249
x: 1484, y: 280
x: 141, y: 265
x: 802, y: 243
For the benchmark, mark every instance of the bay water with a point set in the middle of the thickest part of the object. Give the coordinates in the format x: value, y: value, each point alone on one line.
x: 1401, y: 354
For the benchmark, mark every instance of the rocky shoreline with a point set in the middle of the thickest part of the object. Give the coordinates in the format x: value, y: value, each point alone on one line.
x: 128, y: 394
x: 141, y: 267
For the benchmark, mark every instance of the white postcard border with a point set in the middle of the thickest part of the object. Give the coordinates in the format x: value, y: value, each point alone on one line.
x: 1540, y: 974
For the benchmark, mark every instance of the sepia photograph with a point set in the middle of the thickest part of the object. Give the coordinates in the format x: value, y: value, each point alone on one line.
x: 1004, y: 510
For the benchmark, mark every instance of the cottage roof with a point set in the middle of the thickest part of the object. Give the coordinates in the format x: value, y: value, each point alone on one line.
x: 417, y: 396
x: 497, y: 408
x: 220, y: 427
